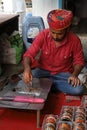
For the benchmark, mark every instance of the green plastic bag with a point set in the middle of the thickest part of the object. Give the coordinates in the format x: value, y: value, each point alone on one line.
x: 17, y: 43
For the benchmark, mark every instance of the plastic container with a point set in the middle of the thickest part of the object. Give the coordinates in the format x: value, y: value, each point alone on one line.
x: 66, y: 113
x: 64, y: 125
x: 49, y: 122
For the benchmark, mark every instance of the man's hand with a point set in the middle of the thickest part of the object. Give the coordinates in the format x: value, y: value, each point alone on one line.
x: 75, y: 81
x: 27, y: 76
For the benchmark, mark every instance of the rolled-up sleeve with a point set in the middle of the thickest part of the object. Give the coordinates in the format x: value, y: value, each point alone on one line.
x: 34, y: 48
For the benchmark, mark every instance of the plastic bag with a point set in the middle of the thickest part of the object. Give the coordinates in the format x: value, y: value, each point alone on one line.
x: 17, y: 44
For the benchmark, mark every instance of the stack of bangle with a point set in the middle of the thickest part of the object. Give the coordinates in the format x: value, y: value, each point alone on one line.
x: 79, y: 115
x: 66, y: 114
x: 50, y: 122
x: 78, y: 126
x: 64, y: 126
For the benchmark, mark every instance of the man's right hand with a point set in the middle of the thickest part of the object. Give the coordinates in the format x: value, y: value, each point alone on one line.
x: 27, y: 76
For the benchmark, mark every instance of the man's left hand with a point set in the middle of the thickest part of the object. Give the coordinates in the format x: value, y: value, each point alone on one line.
x: 75, y: 81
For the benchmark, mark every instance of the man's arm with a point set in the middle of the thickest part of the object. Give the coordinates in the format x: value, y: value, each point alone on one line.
x: 73, y: 79
x: 77, y: 70
x: 27, y: 74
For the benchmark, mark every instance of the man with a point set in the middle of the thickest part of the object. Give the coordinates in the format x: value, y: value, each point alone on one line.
x: 61, y: 56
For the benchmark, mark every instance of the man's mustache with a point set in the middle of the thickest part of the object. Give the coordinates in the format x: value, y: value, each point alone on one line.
x: 57, y: 40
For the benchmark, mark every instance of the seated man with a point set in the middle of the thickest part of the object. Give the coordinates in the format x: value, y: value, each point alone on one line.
x: 61, y: 56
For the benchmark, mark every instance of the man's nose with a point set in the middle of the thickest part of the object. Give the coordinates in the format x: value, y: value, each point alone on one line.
x: 55, y: 36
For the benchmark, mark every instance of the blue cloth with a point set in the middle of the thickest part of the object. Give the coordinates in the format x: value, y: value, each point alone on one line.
x: 60, y: 82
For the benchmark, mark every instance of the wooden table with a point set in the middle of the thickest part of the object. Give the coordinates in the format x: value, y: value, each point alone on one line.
x: 42, y: 84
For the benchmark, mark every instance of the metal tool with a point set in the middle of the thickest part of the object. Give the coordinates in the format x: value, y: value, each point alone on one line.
x: 29, y: 86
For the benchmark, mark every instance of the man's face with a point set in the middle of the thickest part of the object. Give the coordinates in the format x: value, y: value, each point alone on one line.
x: 59, y: 35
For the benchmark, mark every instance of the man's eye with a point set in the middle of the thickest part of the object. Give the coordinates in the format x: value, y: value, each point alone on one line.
x: 57, y: 33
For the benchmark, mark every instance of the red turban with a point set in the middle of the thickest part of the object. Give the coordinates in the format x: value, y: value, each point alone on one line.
x: 59, y: 19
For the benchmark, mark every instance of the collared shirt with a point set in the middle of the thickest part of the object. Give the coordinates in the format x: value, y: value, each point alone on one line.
x: 56, y: 59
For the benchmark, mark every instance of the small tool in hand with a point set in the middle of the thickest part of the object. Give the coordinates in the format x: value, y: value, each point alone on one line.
x: 29, y: 86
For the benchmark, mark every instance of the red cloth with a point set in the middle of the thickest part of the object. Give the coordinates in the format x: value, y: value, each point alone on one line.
x: 56, y: 59
x: 59, y: 19
x: 15, y: 119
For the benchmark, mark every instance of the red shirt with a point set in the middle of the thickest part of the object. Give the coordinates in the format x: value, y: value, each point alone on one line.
x: 56, y: 59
